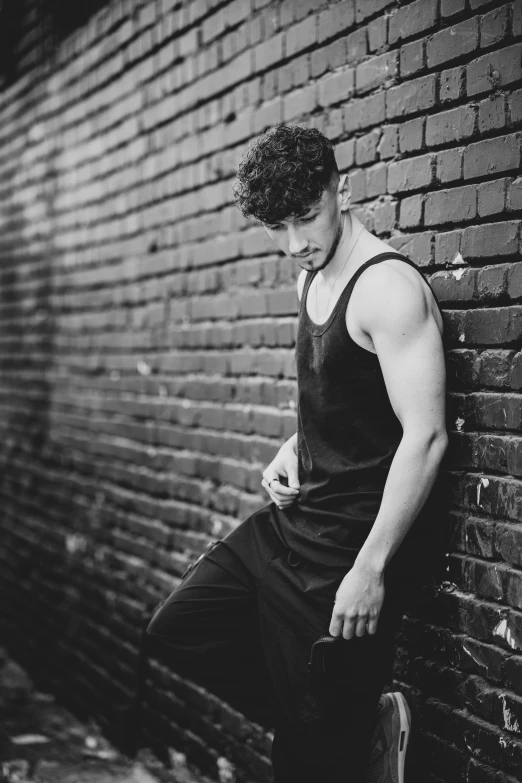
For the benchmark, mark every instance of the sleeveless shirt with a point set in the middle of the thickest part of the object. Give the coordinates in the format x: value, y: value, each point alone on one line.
x: 347, y: 436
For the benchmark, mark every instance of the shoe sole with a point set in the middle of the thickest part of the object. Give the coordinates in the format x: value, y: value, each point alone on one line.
x: 402, y: 731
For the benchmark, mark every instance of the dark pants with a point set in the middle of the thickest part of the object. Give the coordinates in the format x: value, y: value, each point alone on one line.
x: 242, y: 623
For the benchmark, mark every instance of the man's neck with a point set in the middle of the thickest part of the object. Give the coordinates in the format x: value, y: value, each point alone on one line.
x: 338, y: 263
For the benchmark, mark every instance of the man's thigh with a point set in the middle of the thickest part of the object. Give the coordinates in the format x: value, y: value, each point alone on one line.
x: 210, y: 622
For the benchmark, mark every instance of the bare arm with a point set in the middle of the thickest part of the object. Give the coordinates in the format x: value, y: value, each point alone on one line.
x: 409, y: 347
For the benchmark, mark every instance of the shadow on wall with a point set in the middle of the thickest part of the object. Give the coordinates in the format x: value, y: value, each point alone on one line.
x: 56, y: 19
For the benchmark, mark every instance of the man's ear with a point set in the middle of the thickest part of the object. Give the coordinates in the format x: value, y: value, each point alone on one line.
x: 344, y: 191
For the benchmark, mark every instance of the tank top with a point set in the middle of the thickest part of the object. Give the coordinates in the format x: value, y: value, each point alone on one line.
x: 347, y: 436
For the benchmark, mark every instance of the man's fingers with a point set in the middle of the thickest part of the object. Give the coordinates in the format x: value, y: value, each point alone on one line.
x: 360, y: 628
x: 372, y: 625
x: 275, y: 486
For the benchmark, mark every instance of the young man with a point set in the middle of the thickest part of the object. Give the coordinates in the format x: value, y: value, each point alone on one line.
x: 291, y: 617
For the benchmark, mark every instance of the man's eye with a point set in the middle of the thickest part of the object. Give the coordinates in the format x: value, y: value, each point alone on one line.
x: 273, y: 228
x: 308, y: 219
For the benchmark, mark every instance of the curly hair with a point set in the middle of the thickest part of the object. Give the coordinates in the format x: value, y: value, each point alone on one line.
x: 283, y: 173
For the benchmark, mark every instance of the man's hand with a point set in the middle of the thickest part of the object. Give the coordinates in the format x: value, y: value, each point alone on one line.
x: 358, y: 603
x: 284, y: 465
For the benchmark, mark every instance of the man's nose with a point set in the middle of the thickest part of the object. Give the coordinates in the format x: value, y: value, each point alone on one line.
x: 296, y: 243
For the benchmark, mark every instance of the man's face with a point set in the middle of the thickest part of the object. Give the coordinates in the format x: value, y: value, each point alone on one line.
x: 312, y: 239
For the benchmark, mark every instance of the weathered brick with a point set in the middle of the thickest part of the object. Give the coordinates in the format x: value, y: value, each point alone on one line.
x: 454, y: 125
x: 389, y: 144
x: 490, y: 240
x: 452, y: 7
x: 377, y: 33
x: 450, y: 164
x: 336, y: 19
x: 491, y: 156
x: 453, y: 42
x: 412, y: 19
x: 492, y: 113
x: 366, y: 148
x: 412, y: 58
x: 410, y: 174
x: 356, y: 45
x: 362, y: 113
x: 451, y: 84
x: 411, y: 211
x: 494, y: 26
x: 492, y: 197
x: 375, y: 71
x: 411, y: 135
x: 451, y: 206
x: 336, y: 87
x: 301, y: 36
x: 411, y: 97
x: 495, y: 69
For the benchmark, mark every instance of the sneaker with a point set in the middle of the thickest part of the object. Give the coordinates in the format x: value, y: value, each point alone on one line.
x: 390, y: 740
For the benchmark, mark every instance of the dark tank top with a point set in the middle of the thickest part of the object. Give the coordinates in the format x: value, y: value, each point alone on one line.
x: 347, y: 436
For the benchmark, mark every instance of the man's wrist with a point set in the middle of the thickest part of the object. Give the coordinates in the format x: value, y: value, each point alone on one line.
x: 373, y: 563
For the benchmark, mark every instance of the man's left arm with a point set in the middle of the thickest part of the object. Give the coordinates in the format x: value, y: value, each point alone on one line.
x: 409, y: 348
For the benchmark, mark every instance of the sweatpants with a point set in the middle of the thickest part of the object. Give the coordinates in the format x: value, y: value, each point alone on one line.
x: 245, y: 623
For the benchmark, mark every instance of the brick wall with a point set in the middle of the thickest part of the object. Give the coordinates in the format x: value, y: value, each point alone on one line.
x: 147, y: 370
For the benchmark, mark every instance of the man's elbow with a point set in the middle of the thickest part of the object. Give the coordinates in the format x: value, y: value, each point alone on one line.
x: 434, y: 439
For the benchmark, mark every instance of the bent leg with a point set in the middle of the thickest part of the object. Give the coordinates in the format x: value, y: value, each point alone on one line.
x: 211, y: 628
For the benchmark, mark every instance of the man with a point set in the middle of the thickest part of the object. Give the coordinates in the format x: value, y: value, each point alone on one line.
x: 291, y: 617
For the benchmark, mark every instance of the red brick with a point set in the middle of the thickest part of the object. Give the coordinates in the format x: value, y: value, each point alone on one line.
x: 450, y: 206
x: 454, y: 125
x: 412, y: 19
x: 491, y: 156
x: 452, y: 42
x: 375, y: 72
x: 494, y: 26
x: 495, y: 69
x: 410, y: 174
x: 411, y: 97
